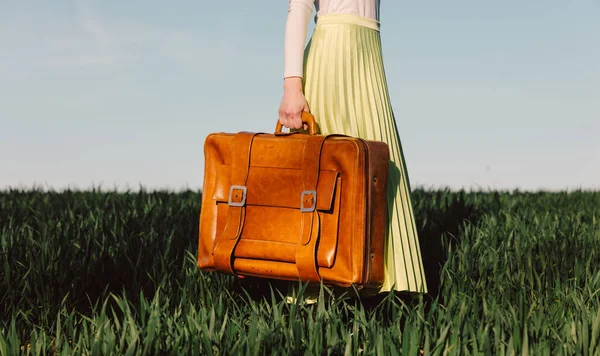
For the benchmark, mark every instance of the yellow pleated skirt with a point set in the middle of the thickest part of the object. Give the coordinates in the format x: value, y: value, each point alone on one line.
x: 346, y: 90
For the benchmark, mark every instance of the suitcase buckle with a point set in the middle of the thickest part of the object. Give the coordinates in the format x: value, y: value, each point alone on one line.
x: 313, y: 201
x: 243, y: 200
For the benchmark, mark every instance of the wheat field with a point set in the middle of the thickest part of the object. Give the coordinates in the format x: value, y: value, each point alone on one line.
x: 90, y: 272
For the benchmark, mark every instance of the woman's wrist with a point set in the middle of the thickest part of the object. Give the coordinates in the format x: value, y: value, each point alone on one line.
x: 292, y: 84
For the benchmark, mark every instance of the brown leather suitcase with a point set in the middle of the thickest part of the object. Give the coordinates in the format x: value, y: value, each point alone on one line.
x: 295, y: 206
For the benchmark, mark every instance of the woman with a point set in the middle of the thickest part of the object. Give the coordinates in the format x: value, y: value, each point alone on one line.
x: 340, y: 79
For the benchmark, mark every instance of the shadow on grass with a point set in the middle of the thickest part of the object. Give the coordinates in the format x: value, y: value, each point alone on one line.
x: 439, y: 216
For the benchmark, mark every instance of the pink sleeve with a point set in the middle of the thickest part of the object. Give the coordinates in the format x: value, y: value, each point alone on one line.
x: 296, y: 29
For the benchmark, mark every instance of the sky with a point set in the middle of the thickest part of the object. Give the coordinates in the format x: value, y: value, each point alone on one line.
x: 121, y: 94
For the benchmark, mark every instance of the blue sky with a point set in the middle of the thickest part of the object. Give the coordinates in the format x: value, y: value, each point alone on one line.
x: 487, y: 95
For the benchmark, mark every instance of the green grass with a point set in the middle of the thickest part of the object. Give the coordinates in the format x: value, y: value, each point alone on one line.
x: 112, y: 273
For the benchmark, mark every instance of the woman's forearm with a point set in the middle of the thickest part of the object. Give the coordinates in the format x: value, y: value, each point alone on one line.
x: 291, y: 84
x: 296, y: 30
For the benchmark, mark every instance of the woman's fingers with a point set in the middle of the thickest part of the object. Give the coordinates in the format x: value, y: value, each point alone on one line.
x: 296, y: 120
x: 305, y: 126
x: 290, y: 109
x: 283, y: 118
x: 291, y: 120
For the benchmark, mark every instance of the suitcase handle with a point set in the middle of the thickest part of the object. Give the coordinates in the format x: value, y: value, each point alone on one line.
x: 307, y: 118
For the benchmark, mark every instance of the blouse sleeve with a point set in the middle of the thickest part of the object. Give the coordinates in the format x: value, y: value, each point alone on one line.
x: 296, y: 29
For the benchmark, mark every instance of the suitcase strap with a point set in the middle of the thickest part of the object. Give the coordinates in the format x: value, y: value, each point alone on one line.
x: 306, y: 254
x: 236, y: 212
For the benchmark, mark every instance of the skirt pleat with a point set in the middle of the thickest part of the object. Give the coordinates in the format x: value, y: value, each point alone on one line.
x: 346, y: 90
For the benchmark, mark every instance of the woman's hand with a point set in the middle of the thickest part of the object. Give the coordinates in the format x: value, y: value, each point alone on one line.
x: 292, y: 104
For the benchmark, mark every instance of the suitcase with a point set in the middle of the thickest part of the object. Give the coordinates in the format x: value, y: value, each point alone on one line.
x: 295, y: 205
